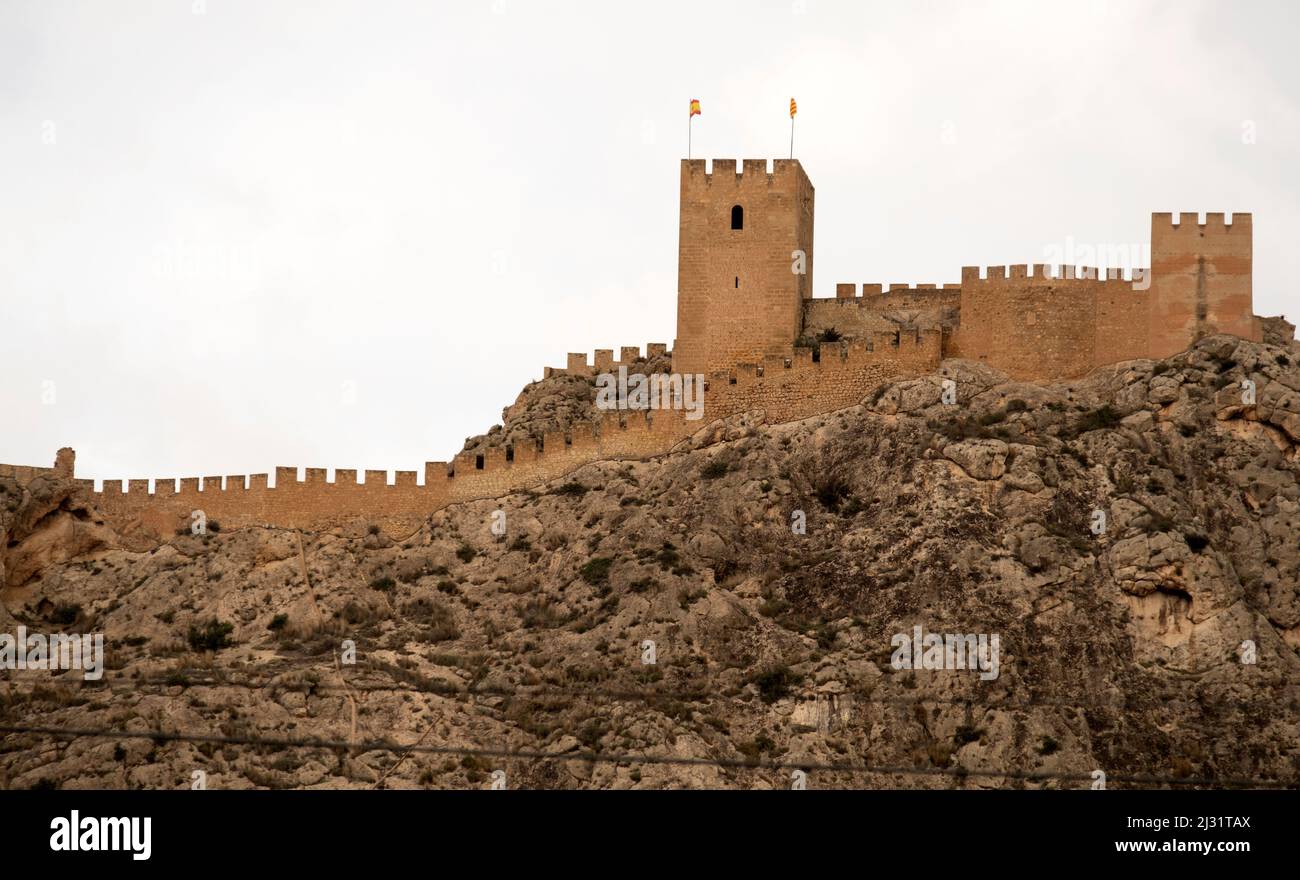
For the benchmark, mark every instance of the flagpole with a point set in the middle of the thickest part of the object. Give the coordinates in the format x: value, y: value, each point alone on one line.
x: 689, y: 129
x: 791, y: 137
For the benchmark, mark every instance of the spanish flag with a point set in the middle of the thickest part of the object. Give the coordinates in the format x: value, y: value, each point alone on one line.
x: 695, y: 106
x: 794, y: 108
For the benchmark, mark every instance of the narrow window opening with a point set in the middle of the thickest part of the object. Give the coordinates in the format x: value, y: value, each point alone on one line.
x: 737, y: 217
x: 737, y: 282
x: 510, y: 453
x: 478, y: 462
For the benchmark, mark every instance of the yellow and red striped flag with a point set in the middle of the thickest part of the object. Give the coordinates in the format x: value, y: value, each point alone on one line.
x: 794, y: 108
x: 695, y: 106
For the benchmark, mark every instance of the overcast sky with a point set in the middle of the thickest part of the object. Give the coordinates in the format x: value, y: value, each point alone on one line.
x: 236, y: 235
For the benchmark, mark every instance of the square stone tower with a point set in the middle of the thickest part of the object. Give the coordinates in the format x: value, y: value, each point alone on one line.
x: 1201, y: 280
x: 744, y: 262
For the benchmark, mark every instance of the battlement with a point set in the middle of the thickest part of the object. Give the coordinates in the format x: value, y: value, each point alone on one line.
x: 603, y: 360
x: 1189, y: 222
x: 1201, y: 280
x: 397, y: 501
x: 1047, y: 274
x: 436, y: 475
x: 723, y: 172
x: 804, y: 383
x: 870, y: 291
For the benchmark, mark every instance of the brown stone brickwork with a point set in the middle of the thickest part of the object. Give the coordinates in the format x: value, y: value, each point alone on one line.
x: 738, y: 298
x: 1201, y: 280
x: 1034, y: 326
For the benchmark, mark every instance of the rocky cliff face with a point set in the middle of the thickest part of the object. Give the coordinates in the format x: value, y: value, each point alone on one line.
x: 1130, y: 538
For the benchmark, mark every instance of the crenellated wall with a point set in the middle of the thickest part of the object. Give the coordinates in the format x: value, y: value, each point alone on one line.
x: 603, y: 360
x: 807, y: 383
x: 1038, y: 325
x: 1034, y: 324
x: 787, y: 388
x: 859, y: 314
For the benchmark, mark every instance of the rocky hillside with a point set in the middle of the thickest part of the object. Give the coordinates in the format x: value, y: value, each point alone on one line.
x: 555, y: 403
x: 1124, y: 648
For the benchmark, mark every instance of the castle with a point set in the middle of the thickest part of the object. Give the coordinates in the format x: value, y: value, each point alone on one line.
x: 747, y: 321
x: 744, y: 282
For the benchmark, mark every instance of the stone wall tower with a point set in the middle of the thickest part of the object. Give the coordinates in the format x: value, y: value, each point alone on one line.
x: 738, y: 294
x: 1200, y: 281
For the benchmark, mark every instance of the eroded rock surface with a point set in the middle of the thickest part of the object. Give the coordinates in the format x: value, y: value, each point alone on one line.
x: 1121, y: 634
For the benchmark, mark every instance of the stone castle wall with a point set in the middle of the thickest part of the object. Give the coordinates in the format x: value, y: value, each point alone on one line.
x: 860, y: 314
x: 784, y: 388
x: 1036, y: 325
x: 1032, y: 325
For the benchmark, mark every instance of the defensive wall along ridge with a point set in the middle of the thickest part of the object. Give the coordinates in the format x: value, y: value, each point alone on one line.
x: 808, y: 383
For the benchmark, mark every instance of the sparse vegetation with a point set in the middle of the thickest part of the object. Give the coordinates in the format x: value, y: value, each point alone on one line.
x: 1097, y: 419
x: 596, y: 571
x: 775, y: 682
x: 714, y: 469
x: 211, y: 636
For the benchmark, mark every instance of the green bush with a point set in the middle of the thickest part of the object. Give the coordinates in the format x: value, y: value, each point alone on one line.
x: 211, y: 636
x: 713, y: 470
x: 774, y: 683
x: 596, y: 571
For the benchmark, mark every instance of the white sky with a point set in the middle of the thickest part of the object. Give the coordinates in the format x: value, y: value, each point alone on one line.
x: 346, y: 234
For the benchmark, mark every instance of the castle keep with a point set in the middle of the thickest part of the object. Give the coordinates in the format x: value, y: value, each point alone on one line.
x: 747, y: 320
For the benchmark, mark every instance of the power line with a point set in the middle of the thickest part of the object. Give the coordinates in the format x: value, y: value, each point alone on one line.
x: 611, y: 758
